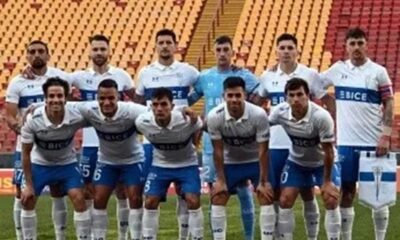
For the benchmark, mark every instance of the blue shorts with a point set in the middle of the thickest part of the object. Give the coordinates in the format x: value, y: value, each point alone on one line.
x: 110, y: 175
x: 148, y: 158
x: 87, y: 163
x: 295, y: 175
x: 208, y: 169
x: 237, y: 174
x: 277, y: 160
x: 349, y: 158
x: 18, y: 171
x: 159, y: 179
x: 67, y: 176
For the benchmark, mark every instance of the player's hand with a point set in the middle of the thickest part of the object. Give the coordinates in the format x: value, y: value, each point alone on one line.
x: 383, y: 145
x: 187, y: 111
x: 264, y: 190
x: 219, y: 187
x: 27, y: 72
x: 329, y: 190
x: 27, y: 195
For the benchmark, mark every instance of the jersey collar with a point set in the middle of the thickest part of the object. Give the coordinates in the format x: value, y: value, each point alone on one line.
x: 245, y: 116
x: 362, y: 67
x: 110, y: 71
x: 106, y: 119
x: 306, y: 118
x: 294, y: 73
x: 65, y: 121
x: 173, y: 66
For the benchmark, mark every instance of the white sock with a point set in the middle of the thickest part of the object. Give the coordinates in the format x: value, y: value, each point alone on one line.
x: 99, y: 224
x: 286, y: 223
x: 196, y: 224
x: 332, y: 224
x: 381, y: 222
x: 82, y: 221
x: 347, y: 215
x: 311, y: 218
x: 29, y: 224
x: 123, y: 218
x: 17, y: 218
x: 135, y: 223
x: 183, y: 218
x: 150, y: 224
x: 267, y: 222
x: 218, y: 222
x: 59, y: 216
x: 276, y: 208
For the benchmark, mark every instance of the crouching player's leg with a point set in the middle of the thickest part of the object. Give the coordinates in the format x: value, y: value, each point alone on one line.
x: 122, y: 211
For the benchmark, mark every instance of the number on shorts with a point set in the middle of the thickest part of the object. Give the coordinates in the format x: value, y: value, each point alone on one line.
x: 85, y: 170
x: 97, y: 174
x: 206, y: 171
x: 147, y: 186
x: 284, y: 177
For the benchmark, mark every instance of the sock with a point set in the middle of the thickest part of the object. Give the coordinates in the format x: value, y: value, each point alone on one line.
x: 286, y: 223
x: 276, y: 208
x: 82, y: 221
x: 267, y: 222
x: 245, y: 195
x: 135, y: 223
x: 17, y: 218
x: 196, y: 221
x: 29, y: 224
x: 150, y: 224
x: 99, y: 224
x: 59, y: 216
x: 311, y: 218
x: 332, y: 224
x: 123, y: 218
x: 218, y: 222
x: 347, y: 215
x: 381, y: 222
x: 183, y: 218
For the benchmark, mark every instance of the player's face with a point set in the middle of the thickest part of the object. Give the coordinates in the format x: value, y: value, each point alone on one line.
x: 161, y: 108
x: 37, y: 56
x: 356, y: 48
x: 223, y: 54
x: 297, y: 99
x: 165, y: 46
x: 108, y: 100
x: 234, y: 98
x: 55, y: 99
x: 99, y: 52
x: 286, y: 51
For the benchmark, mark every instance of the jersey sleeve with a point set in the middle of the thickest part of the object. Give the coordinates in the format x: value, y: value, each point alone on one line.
x: 27, y: 134
x: 251, y: 82
x: 193, y: 75
x: 13, y: 95
x: 262, y: 127
x: 213, y: 127
x: 197, y: 92
x: 140, y: 88
x: 139, y: 122
x: 317, y: 86
x: 326, y: 128
x: 126, y: 81
x: 262, y: 91
x: 384, y: 84
x: 328, y: 77
x: 273, y: 117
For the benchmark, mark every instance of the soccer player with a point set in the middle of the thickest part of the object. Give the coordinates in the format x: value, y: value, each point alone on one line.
x: 49, y: 158
x: 364, y: 101
x: 210, y: 85
x: 311, y: 157
x: 175, y: 160
x: 272, y: 85
x: 179, y: 78
x: 21, y: 92
x: 239, y: 131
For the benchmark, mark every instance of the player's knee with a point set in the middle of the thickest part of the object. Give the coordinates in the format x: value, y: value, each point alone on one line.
x: 136, y: 201
x: 219, y: 199
x: 99, y: 201
x: 307, y: 194
x: 192, y: 201
x: 29, y: 204
x: 348, y: 194
x: 78, y: 200
x: 151, y: 203
x: 330, y: 203
x: 286, y: 201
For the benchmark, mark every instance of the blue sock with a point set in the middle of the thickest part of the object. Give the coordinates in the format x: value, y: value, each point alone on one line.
x: 245, y: 195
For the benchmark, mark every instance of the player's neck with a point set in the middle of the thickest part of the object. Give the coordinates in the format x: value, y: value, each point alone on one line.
x: 288, y: 67
x: 163, y: 122
x: 358, y: 62
x: 55, y: 117
x: 101, y: 69
x: 39, y: 71
x: 224, y: 68
x: 166, y: 61
x: 300, y: 113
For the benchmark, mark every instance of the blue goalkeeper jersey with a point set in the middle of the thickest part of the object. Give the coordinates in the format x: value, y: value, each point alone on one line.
x: 210, y: 85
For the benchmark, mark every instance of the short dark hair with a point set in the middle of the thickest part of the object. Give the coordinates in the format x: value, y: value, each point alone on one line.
x: 286, y: 37
x: 296, y: 83
x: 223, y: 39
x: 355, y: 33
x: 232, y: 82
x: 166, y: 32
x: 55, y: 81
x: 161, y: 92
x: 41, y: 43
x: 99, y: 37
x: 108, y: 83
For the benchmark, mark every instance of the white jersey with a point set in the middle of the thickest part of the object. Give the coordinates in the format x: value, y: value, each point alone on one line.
x: 24, y: 92
x: 240, y: 136
x: 118, y: 139
x: 359, y: 92
x: 52, y: 144
x: 306, y: 134
x: 173, y: 146
x: 272, y: 86
x: 87, y: 82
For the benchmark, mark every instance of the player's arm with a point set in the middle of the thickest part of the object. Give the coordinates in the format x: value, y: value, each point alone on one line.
x: 196, y: 93
x: 330, y: 103
x: 27, y: 139
x: 11, y: 117
x: 318, y: 90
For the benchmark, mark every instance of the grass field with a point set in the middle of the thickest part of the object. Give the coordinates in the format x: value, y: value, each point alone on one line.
x: 363, y: 229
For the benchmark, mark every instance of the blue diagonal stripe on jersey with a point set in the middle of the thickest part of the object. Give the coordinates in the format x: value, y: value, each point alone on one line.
x: 357, y: 95
x: 304, y: 142
x: 91, y: 95
x: 116, y: 137
x: 172, y: 146
x: 25, y: 101
x: 276, y: 98
x: 178, y: 92
x: 385, y: 177
x: 238, y: 141
x: 53, y: 144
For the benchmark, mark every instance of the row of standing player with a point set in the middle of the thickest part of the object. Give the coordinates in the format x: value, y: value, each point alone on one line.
x: 286, y: 51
